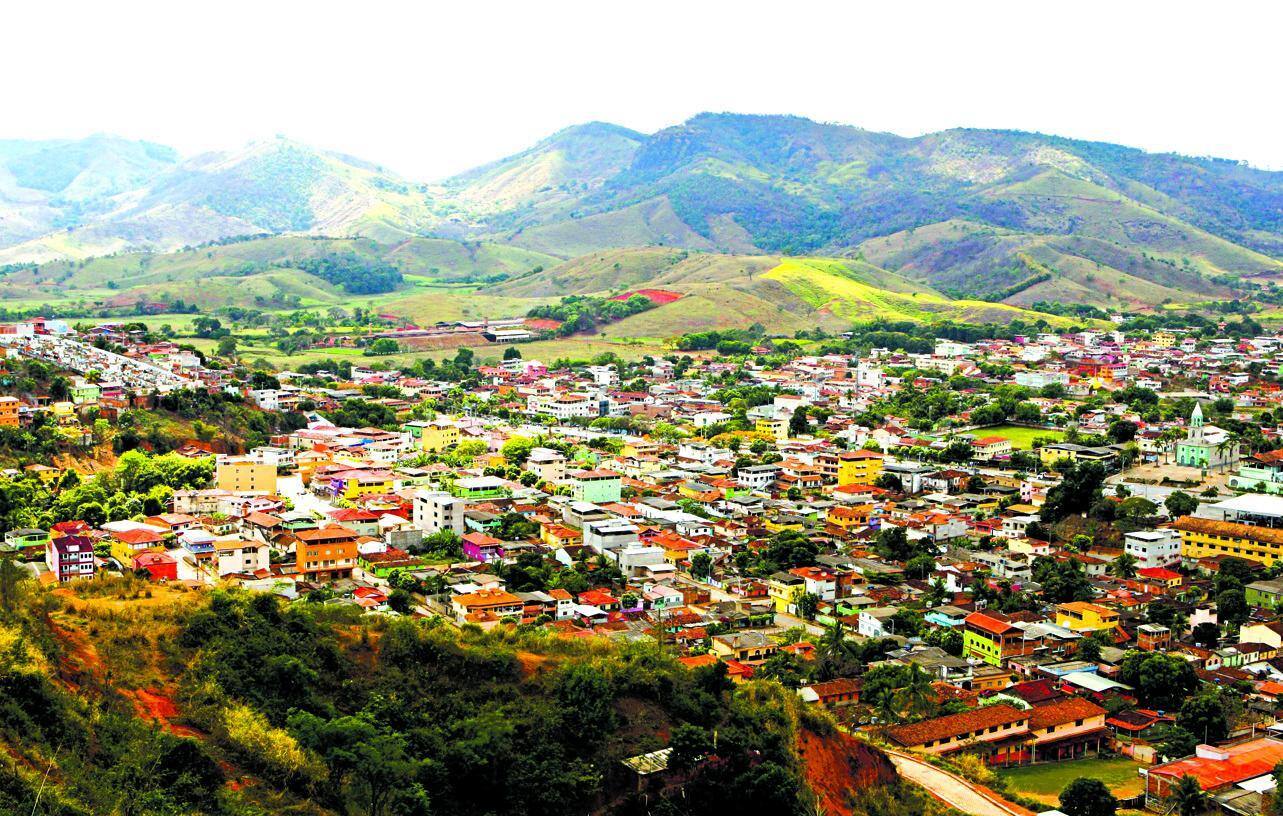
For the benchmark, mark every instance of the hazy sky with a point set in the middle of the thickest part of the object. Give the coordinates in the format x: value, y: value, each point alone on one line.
x: 431, y: 88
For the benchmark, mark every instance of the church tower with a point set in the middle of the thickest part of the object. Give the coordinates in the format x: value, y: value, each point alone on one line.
x: 1196, y: 423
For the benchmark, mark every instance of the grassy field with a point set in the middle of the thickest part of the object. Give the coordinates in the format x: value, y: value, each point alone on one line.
x: 847, y: 290
x: 1045, y: 782
x: 1021, y: 438
x: 547, y: 351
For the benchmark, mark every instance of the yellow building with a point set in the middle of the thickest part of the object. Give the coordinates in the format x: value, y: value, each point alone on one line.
x: 774, y: 428
x: 1051, y: 454
x: 128, y: 543
x: 1164, y: 339
x: 245, y: 476
x: 353, y: 484
x: 1206, y: 538
x: 1081, y: 616
x: 558, y: 535
x: 858, y: 467
x: 438, y: 436
x: 849, y: 517
x: 783, y: 589
x: 64, y: 413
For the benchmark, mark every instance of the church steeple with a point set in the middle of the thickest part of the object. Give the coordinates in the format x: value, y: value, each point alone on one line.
x: 1196, y: 423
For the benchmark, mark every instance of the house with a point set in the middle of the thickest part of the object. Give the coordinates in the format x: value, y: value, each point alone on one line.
x: 1151, y: 637
x: 159, y: 566
x: 1207, y: 538
x: 70, y: 557
x: 844, y: 691
x: 859, y: 467
x: 997, y: 731
x: 1215, y: 769
x: 244, y: 475
x: 748, y: 647
x: 486, y: 605
x: 991, y: 637
x: 326, y: 553
x: 1153, y: 548
x: 596, y: 486
x: 988, y: 448
x: 1068, y: 728
x: 1082, y: 616
x: 1268, y: 594
x: 238, y: 556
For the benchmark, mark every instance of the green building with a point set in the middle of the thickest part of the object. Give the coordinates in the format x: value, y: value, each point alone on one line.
x: 597, y: 486
x: 1268, y: 594
x: 479, y: 487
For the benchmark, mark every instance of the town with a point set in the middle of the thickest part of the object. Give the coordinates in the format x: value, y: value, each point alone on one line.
x: 1022, y: 559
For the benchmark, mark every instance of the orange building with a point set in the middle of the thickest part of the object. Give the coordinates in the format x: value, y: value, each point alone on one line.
x: 9, y: 412
x: 326, y: 554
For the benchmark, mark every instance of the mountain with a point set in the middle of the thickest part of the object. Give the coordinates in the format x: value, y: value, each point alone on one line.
x: 558, y: 170
x: 973, y: 214
x: 277, y: 186
x: 50, y: 185
x: 972, y: 211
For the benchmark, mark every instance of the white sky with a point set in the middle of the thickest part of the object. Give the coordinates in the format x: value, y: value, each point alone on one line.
x: 434, y: 87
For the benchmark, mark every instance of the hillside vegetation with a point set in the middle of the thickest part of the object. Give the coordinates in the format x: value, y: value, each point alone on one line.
x: 121, y: 697
x: 976, y: 215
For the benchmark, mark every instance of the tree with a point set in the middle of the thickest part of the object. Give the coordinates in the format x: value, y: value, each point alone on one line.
x: 1205, y: 717
x: 1078, y: 490
x: 1087, y: 797
x: 919, y: 566
x: 399, y: 601
x: 701, y: 565
x: 690, y: 743
x: 1089, y: 650
x: 837, y: 656
x: 798, y: 424
x: 1174, y: 742
x: 1124, y: 566
x: 1062, y: 581
x: 807, y: 604
x: 1232, y: 608
x: 1180, y: 504
x: 226, y: 346
x: 1206, y: 634
x: 1122, y: 431
x: 918, y: 696
x: 1189, y: 797
x: 1161, y: 681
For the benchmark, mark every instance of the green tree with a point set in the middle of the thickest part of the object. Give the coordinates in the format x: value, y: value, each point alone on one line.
x: 1161, y: 681
x: 1179, y: 503
x: 807, y: 604
x: 1087, y: 797
x: 1205, y: 717
x: 701, y: 565
x: 1189, y: 797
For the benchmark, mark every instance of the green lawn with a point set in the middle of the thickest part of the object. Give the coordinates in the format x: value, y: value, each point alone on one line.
x: 1045, y: 782
x: 1021, y: 438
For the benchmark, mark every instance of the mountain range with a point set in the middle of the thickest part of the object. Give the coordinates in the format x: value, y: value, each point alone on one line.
x: 985, y: 214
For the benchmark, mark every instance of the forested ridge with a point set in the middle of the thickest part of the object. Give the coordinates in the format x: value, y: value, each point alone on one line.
x: 143, y: 700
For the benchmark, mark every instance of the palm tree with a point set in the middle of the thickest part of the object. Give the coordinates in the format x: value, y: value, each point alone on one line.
x: 917, y: 694
x: 1124, y: 566
x: 886, y: 707
x: 835, y: 649
x: 1189, y: 797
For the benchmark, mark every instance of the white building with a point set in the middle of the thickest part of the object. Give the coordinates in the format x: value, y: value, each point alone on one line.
x: 436, y: 511
x: 1153, y: 548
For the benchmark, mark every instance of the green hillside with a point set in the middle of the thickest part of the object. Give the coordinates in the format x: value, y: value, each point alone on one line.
x: 997, y: 216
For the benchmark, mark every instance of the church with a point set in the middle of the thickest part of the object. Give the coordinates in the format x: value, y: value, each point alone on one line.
x: 1205, y: 446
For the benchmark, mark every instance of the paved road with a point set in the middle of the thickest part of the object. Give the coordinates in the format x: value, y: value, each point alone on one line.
x: 952, y: 790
